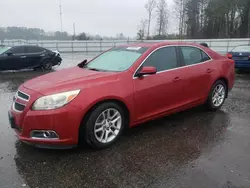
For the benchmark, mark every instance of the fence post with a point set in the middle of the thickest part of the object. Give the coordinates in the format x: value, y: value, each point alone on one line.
x: 228, y: 42
x: 87, y: 47
x: 72, y: 46
x: 101, y: 46
x: 57, y: 46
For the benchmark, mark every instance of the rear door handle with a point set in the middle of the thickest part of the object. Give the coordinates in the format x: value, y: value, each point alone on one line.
x: 177, y: 79
x: 23, y: 57
x: 209, y: 70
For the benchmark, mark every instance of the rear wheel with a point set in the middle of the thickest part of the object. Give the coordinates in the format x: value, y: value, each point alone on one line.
x: 217, y: 95
x: 104, y: 125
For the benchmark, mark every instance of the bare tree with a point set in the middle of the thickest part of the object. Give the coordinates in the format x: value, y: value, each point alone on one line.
x: 162, y: 21
x: 180, y: 11
x: 150, y: 6
x: 142, y: 29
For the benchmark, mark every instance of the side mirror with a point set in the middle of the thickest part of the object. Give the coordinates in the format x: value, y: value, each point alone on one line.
x: 147, y: 70
x: 9, y: 53
x: 81, y: 65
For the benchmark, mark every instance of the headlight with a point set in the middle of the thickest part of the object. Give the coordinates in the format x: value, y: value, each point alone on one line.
x: 54, y: 101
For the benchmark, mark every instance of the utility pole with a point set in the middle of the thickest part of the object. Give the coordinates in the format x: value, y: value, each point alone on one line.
x: 60, y: 8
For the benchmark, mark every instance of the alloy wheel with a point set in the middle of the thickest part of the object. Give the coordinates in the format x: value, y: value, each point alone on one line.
x: 218, y: 95
x: 108, y: 125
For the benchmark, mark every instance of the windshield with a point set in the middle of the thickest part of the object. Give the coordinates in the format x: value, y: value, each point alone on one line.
x: 4, y: 49
x: 241, y: 49
x: 117, y: 59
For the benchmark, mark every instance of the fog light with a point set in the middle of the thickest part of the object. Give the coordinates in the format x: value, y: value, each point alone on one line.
x: 44, y: 134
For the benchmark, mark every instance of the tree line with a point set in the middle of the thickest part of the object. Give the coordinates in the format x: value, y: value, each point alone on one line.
x: 198, y: 19
x: 39, y: 34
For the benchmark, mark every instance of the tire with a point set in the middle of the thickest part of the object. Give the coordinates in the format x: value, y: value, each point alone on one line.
x: 216, y: 102
x: 99, y: 131
x: 46, y: 65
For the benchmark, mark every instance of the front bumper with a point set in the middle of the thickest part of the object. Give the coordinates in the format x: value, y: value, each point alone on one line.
x: 64, y: 121
x: 57, y: 60
x: 242, y: 64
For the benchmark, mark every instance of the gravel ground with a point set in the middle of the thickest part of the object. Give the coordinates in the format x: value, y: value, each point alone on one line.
x: 195, y: 148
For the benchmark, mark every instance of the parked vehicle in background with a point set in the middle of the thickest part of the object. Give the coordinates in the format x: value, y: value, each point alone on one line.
x: 28, y: 57
x: 204, y: 44
x: 241, y: 56
x: 123, y: 87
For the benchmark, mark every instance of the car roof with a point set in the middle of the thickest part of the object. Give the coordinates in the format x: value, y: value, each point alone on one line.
x: 159, y: 44
x: 27, y: 45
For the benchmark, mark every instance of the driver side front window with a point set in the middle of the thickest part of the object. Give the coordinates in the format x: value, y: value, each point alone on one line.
x: 163, y: 59
x: 17, y: 50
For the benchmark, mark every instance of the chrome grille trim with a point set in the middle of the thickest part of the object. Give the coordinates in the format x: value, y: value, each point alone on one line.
x: 13, y: 106
x: 22, y: 93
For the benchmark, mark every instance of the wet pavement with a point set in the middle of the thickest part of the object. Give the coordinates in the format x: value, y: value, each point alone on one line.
x: 195, y: 148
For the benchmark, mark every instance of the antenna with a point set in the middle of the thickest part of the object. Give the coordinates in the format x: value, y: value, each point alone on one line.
x: 60, y: 7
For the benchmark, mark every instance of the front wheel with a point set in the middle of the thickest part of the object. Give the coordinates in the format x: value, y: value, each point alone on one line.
x: 47, y: 65
x: 104, y: 125
x: 217, y: 95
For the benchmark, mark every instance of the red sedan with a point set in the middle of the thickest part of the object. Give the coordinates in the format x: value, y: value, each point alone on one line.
x: 120, y: 88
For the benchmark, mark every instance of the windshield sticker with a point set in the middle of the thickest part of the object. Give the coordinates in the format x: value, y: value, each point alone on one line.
x: 134, y: 48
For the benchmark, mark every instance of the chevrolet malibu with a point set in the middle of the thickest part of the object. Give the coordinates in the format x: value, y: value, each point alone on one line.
x: 123, y: 87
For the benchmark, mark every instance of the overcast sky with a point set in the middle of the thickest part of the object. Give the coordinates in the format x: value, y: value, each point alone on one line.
x: 103, y: 17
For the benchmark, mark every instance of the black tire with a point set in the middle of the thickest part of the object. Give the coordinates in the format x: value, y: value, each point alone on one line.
x: 210, y: 104
x: 47, y: 65
x: 89, y: 127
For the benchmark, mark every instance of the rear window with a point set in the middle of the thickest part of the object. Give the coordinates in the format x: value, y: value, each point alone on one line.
x: 241, y: 49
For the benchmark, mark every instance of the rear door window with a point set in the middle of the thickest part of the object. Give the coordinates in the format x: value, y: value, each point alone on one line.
x: 192, y: 55
x: 205, y: 57
x: 34, y: 49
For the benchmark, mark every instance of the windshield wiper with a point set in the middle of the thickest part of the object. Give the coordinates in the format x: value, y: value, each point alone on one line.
x: 93, y: 69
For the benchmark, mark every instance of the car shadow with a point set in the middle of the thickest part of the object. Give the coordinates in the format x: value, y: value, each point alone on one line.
x: 158, y: 147
x: 11, y: 80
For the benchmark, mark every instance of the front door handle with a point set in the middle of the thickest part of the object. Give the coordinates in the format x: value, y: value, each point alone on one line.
x: 177, y: 79
x: 23, y: 57
x: 209, y: 70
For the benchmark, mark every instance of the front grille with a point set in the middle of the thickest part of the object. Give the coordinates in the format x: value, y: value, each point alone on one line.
x: 18, y: 107
x: 22, y: 95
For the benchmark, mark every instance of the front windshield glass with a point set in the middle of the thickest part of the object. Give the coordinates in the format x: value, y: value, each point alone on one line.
x: 4, y: 49
x: 117, y: 59
x: 241, y: 49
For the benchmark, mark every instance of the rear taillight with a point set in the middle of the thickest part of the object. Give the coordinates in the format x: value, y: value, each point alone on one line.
x: 229, y: 56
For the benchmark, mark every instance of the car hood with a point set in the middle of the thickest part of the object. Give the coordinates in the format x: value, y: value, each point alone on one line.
x: 69, y: 79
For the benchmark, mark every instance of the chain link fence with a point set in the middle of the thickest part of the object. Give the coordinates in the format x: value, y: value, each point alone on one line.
x: 221, y: 46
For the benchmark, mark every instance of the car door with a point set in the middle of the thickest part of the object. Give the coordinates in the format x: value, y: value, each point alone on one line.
x: 198, y: 76
x: 155, y: 94
x: 34, y: 56
x: 14, y: 61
